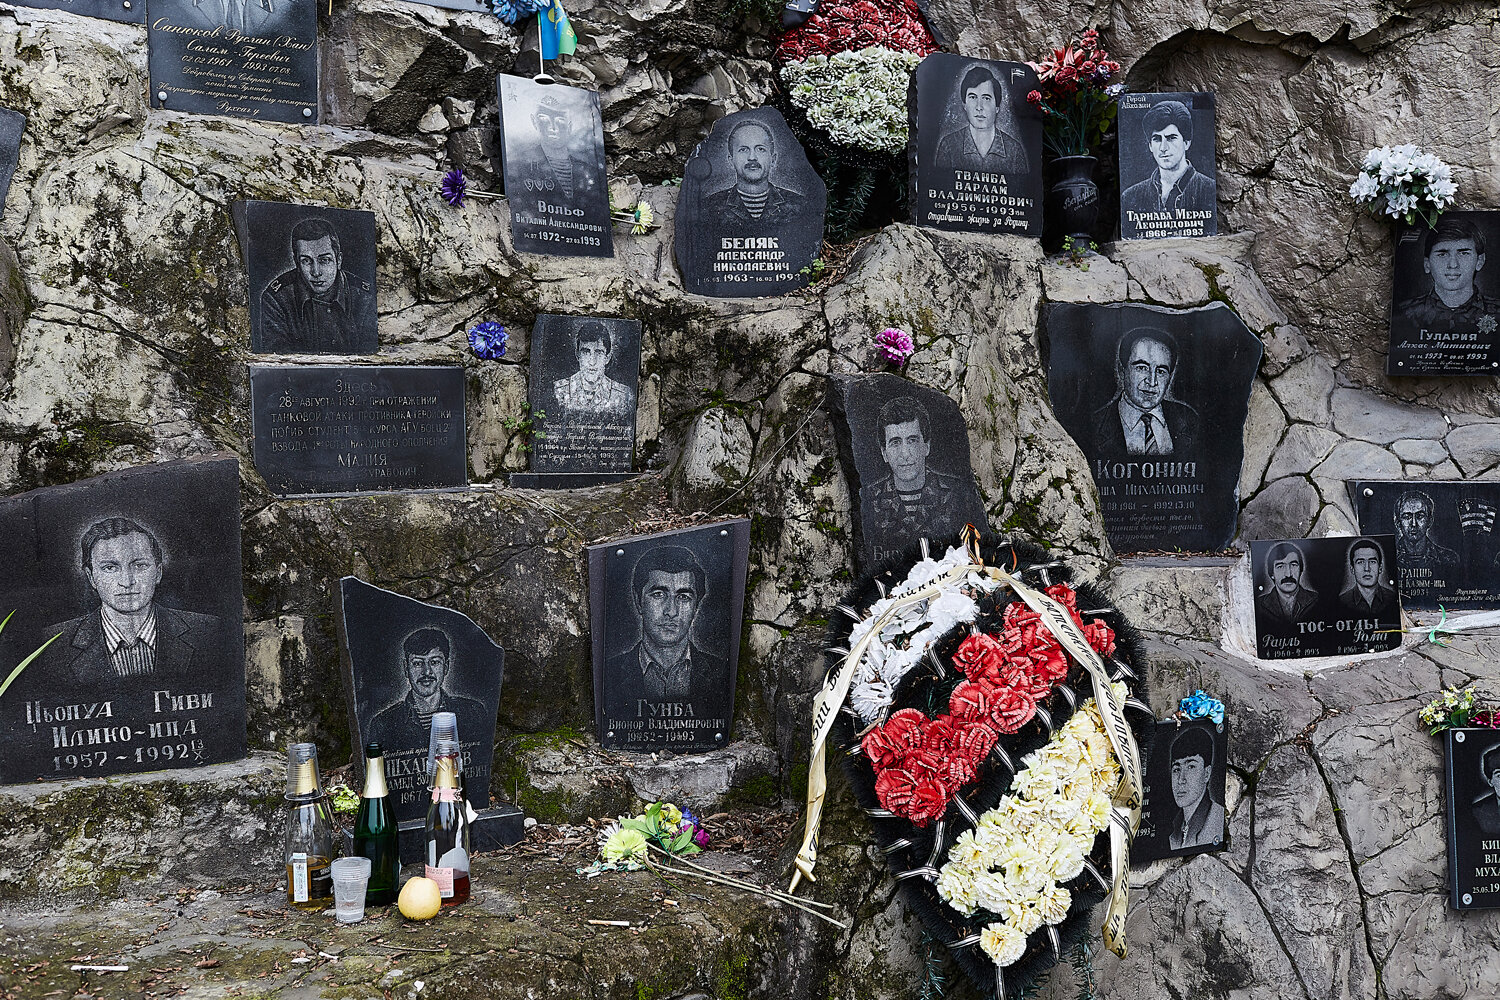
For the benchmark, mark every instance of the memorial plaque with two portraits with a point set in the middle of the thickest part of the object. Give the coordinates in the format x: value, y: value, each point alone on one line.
x: 1446, y: 298
x: 1156, y: 398
x: 311, y: 276
x: 133, y: 581
x: 1325, y: 596
x: 240, y: 58
x: 664, y: 613
x: 552, y: 142
x: 1471, y: 765
x: 1182, y: 812
x: 1168, y: 174
x: 976, y: 146
x: 1447, y: 539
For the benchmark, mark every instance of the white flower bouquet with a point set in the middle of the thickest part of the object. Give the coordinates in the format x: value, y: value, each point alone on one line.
x: 857, y: 97
x: 1402, y: 182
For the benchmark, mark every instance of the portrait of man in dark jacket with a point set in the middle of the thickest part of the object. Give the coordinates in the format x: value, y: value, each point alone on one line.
x: 1143, y: 418
x: 316, y: 306
x: 1167, y: 128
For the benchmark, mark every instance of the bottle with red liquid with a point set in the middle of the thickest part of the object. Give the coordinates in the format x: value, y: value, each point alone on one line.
x: 448, y: 827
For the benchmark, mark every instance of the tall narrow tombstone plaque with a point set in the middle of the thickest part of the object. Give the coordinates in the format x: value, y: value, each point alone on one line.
x: 584, y: 373
x: 975, y: 147
x: 128, y: 11
x: 665, y: 614
x: 12, y: 130
x: 1471, y: 765
x: 330, y: 429
x: 553, y: 146
x: 311, y: 274
x: 1445, y: 303
x: 1157, y: 400
x: 1447, y: 539
x: 137, y: 575
x: 750, y: 215
x: 242, y: 58
x: 1325, y: 596
x: 905, y: 452
x: 1168, y: 174
x: 403, y: 661
x: 1183, y: 809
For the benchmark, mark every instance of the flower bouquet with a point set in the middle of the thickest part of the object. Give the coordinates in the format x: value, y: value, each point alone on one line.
x: 1457, y: 708
x: 1402, y: 182
x: 1075, y: 96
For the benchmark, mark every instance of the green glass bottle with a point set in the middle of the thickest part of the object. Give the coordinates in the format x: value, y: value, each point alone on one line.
x: 375, y: 834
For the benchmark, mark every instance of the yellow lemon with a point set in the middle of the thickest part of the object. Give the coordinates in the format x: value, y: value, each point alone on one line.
x: 419, y: 899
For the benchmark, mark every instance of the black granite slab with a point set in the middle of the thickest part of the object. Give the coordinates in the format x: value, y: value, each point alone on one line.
x: 1471, y: 771
x: 1445, y: 301
x: 1183, y: 809
x: 12, y: 130
x: 1447, y: 543
x: 585, y: 371
x: 1325, y: 596
x: 1168, y: 172
x: 128, y: 11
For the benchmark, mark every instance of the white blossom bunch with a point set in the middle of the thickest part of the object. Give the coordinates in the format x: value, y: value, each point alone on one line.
x: 1014, y: 862
x: 903, y: 642
x: 1402, y: 182
x: 858, y: 97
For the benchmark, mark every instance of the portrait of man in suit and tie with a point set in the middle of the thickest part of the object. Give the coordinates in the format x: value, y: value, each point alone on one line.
x: 1143, y: 418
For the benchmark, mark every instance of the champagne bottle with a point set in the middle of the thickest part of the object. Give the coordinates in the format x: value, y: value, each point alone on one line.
x: 308, y: 845
x: 448, y: 828
x: 375, y: 835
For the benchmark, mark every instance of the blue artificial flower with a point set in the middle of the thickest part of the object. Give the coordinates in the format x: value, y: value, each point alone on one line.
x: 454, y: 187
x: 488, y: 340
x: 688, y: 819
x: 513, y: 11
x: 1201, y: 706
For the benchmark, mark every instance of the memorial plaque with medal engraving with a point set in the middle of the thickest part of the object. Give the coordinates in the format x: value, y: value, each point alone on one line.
x: 1183, y: 809
x: 1445, y: 301
x: 1325, y: 596
x: 665, y: 613
x: 1471, y: 764
x: 1447, y: 539
x: 242, y: 58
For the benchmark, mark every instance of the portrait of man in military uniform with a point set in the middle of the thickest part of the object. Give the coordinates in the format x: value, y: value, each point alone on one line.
x: 1453, y: 256
x: 589, y: 393
x: 754, y: 203
x: 1424, y: 558
x: 981, y: 143
x: 319, y: 304
x: 551, y: 164
x: 1175, y: 184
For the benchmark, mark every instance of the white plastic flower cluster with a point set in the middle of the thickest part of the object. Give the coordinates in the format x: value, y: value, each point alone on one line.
x: 1402, y: 182
x: 1014, y: 862
x: 903, y: 642
x: 857, y: 97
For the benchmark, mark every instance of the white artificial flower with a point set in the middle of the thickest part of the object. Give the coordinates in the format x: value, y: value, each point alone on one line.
x: 1004, y: 944
x: 1053, y: 903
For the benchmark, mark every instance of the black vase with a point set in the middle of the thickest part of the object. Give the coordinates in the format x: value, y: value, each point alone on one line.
x: 1073, y: 199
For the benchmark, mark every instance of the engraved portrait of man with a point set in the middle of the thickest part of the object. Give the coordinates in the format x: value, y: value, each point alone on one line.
x: 316, y: 306
x: 1486, y: 806
x: 981, y: 142
x: 1288, y: 599
x: 1143, y: 418
x: 913, y: 500
x: 1416, y: 549
x: 755, y: 203
x: 550, y: 164
x: 1368, y: 595
x: 427, y: 660
x: 250, y: 17
x: 1198, y: 820
x: 1175, y: 184
x: 131, y: 634
x: 1453, y: 256
x: 589, y: 392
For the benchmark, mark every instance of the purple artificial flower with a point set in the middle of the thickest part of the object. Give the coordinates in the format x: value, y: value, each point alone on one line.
x: 895, y: 345
x: 701, y: 837
x: 488, y: 340
x: 454, y: 188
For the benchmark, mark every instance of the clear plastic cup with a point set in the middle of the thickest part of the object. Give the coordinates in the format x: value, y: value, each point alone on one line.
x: 444, y: 726
x: 350, y: 877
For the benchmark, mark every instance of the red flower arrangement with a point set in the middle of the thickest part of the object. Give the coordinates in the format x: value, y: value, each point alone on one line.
x: 1075, y: 95
x: 921, y: 763
x: 847, y: 25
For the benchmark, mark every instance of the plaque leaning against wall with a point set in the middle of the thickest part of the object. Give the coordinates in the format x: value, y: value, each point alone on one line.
x: 1447, y: 539
x: 1445, y: 298
x: 1471, y: 763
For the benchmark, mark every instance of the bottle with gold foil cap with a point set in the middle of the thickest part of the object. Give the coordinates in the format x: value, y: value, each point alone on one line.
x: 448, y: 826
x: 375, y: 832
x: 308, y: 844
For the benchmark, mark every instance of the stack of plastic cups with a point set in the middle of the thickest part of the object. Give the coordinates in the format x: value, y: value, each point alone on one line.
x: 444, y: 727
x: 351, y: 876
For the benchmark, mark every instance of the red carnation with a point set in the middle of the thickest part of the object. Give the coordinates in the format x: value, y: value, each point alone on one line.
x: 894, y: 788
x: 928, y: 801
x: 969, y: 702
x: 1011, y: 708
x: 939, y: 736
x: 1100, y: 636
x: 978, y: 654
x: 976, y: 742
x: 954, y: 772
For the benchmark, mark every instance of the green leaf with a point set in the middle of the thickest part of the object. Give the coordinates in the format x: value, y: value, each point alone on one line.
x: 26, y: 662
x: 638, y: 825
x: 681, y: 841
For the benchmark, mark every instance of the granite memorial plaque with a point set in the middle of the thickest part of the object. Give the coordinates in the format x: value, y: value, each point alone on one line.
x: 1325, y: 596
x: 584, y: 373
x: 905, y: 452
x: 311, y: 278
x: 242, y: 58
x: 1168, y: 175
x: 404, y: 660
x: 750, y: 215
x: 553, y: 142
x: 1183, y: 808
x: 12, y: 130
x: 134, y: 577
x: 1445, y: 301
x: 128, y: 11
x: 1157, y: 400
x: 1447, y: 545
x: 975, y: 146
x: 331, y: 429
x: 1471, y: 765
x: 665, y: 613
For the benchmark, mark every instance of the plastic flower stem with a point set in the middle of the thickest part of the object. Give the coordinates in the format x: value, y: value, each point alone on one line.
x: 628, y: 219
x: 770, y: 894
x: 749, y: 885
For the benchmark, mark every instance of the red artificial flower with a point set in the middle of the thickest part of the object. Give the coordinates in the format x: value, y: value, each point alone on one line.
x: 939, y: 736
x: 976, y: 741
x: 1034, y: 98
x: 977, y: 654
x: 839, y: 27
x: 1101, y: 637
x: 1011, y: 708
x: 1486, y: 719
x: 1089, y: 38
x: 970, y: 702
x: 928, y: 801
x: 886, y: 744
x: 894, y: 788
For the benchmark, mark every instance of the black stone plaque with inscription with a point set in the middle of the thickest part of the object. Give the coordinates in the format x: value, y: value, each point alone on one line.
x: 1471, y: 764
x: 665, y: 613
x: 1157, y: 400
x: 905, y: 451
x: 12, y: 129
x: 1168, y: 176
x: 403, y: 661
x: 553, y: 142
x: 1325, y: 596
x: 1445, y: 303
x: 1183, y: 808
x: 242, y: 58
x: 330, y: 429
x: 133, y: 582
x: 1447, y: 539
x: 975, y: 146
x: 750, y: 215
x: 128, y: 11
